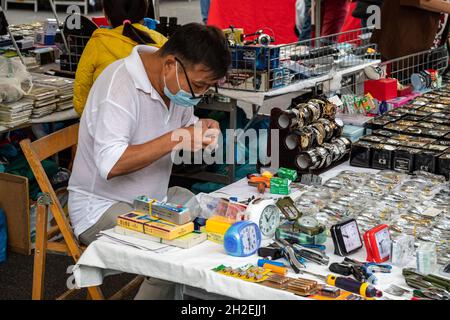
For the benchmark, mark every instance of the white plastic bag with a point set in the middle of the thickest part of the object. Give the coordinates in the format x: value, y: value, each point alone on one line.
x: 13, y: 78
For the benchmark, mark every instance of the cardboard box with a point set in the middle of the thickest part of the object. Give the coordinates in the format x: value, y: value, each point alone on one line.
x: 216, y: 227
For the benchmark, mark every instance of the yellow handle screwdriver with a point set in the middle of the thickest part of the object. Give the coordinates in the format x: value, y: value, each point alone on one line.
x: 348, y: 284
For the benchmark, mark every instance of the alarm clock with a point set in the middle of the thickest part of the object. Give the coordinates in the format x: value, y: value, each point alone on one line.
x: 266, y: 215
x: 378, y: 244
x: 242, y: 239
x: 346, y: 237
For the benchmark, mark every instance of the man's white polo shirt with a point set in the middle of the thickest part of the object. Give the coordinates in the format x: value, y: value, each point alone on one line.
x: 122, y: 109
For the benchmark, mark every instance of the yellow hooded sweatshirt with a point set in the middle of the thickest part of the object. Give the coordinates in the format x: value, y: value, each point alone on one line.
x: 104, y: 47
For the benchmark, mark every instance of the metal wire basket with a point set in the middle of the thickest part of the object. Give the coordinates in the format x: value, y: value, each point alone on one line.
x: 77, y: 39
x: 265, y: 68
x: 400, y: 69
x: 69, y: 61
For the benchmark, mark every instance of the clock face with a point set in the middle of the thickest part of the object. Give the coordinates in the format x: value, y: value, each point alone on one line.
x: 269, y: 221
x: 384, y: 243
x: 249, y: 239
x: 351, y: 237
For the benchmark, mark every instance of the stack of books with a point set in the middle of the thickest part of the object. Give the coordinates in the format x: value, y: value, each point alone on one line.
x: 44, y: 101
x: 63, y: 86
x: 15, y: 113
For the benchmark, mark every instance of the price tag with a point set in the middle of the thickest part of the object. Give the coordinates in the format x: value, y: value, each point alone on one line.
x: 336, y: 101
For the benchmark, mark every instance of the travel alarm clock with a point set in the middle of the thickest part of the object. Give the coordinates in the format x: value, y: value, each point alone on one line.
x: 266, y: 215
x: 378, y: 244
x: 242, y: 239
x: 346, y: 237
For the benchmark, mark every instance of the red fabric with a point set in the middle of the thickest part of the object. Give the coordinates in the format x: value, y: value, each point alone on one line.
x: 334, y: 13
x: 252, y: 15
x: 351, y: 23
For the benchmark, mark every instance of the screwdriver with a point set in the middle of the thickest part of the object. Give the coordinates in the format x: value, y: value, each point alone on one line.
x: 363, y: 289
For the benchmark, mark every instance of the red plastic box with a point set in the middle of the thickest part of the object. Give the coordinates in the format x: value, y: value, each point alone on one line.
x: 382, y: 89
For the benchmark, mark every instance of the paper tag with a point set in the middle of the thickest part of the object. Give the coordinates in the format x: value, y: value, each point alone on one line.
x: 336, y: 101
x: 432, y: 212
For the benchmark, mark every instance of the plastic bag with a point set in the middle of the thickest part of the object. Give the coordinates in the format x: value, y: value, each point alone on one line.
x: 13, y: 78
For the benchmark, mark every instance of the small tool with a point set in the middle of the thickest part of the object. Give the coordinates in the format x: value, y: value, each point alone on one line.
x: 273, y: 251
x: 260, y: 182
x: 311, y: 255
x: 348, y: 284
x: 297, y: 263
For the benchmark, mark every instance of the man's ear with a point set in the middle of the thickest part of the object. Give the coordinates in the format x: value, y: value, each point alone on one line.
x: 169, y: 62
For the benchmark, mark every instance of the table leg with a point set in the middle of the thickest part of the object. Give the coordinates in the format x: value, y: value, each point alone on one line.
x: 179, y: 291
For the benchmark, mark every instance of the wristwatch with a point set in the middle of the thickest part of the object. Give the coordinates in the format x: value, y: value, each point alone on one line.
x: 330, y: 154
x: 306, y: 138
x: 305, y: 113
x: 329, y: 131
x: 315, y: 110
x: 322, y: 106
x: 307, y: 160
x: 319, y: 132
x: 289, y: 119
x: 333, y: 152
x: 323, y: 153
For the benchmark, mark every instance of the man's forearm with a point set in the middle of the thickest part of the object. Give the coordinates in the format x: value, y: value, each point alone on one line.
x: 137, y: 157
x: 440, y: 6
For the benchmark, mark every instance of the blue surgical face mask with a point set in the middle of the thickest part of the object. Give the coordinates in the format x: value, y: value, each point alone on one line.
x: 182, y: 98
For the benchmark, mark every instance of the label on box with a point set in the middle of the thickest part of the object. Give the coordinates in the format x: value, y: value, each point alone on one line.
x: 402, y: 164
x: 336, y: 101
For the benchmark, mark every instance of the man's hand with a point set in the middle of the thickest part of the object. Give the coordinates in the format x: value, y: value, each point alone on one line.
x: 204, y: 133
x: 211, y: 129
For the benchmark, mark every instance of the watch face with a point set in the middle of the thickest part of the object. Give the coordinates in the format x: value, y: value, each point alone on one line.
x: 308, y: 222
x: 269, y: 221
x: 351, y: 236
x: 383, y: 240
x: 249, y: 239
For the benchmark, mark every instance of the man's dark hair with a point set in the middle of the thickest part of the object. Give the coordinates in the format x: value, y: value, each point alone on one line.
x: 195, y: 43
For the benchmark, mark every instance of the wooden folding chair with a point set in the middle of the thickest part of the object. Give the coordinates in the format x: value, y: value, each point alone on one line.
x: 35, y: 152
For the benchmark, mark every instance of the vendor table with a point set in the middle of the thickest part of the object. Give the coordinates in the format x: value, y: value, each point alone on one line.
x: 191, y: 268
x: 54, y: 117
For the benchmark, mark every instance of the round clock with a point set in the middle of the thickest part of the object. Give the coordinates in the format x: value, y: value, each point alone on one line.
x: 242, y: 239
x: 266, y: 215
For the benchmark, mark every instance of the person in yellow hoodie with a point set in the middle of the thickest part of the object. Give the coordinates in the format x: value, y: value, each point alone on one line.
x: 109, y: 45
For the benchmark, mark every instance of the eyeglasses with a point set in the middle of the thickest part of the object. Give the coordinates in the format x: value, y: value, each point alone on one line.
x: 194, y: 96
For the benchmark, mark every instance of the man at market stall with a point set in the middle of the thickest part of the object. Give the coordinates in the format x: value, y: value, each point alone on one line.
x: 135, y: 112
